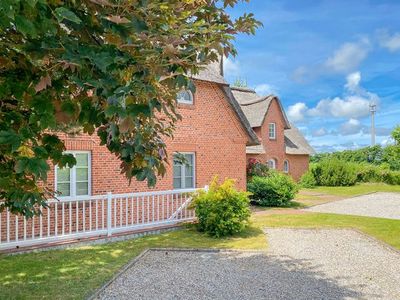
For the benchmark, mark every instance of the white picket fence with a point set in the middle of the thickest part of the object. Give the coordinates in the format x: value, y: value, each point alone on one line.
x: 102, y: 215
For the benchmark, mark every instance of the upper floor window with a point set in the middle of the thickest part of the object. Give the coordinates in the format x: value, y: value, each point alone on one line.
x: 272, y: 164
x: 272, y: 131
x: 184, y: 171
x: 185, y: 96
x: 286, y: 166
x: 75, y: 181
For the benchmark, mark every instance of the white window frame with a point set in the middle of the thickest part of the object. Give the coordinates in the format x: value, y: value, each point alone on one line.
x: 183, y: 174
x: 274, y: 131
x: 286, y: 166
x: 186, y: 102
x: 72, y: 188
x: 273, y: 163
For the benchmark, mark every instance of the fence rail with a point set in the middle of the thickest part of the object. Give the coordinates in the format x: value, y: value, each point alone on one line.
x: 100, y: 215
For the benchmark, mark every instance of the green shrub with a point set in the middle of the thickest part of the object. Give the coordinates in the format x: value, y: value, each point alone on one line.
x: 256, y: 168
x: 275, y: 190
x: 307, y: 180
x: 334, y: 172
x: 391, y: 177
x: 368, y: 173
x: 222, y: 210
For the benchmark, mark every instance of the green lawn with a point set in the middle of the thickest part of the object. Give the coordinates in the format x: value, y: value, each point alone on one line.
x: 76, y: 273
x: 359, y: 189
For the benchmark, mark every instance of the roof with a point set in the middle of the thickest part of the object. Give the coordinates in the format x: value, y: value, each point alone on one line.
x: 253, y: 139
x: 212, y: 72
x: 295, y: 142
x: 255, y: 107
x: 258, y: 149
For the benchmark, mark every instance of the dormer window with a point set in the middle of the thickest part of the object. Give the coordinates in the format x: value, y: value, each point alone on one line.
x: 185, y: 97
x: 272, y: 131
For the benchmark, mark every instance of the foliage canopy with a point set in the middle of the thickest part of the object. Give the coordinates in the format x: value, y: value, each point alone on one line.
x: 109, y: 67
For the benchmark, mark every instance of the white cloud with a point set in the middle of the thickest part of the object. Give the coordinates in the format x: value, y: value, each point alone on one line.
x: 265, y: 89
x: 348, y: 57
x: 345, y: 59
x: 320, y: 132
x: 390, y: 42
x: 353, y: 82
x: 297, y: 112
x: 352, y: 105
x: 352, y: 126
x: 231, y: 67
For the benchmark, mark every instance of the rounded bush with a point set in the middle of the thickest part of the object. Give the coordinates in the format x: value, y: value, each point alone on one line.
x: 222, y: 210
x: 308, y: 180
x: 334, y: 172
x: 275, y: 190
x: 368, y: 173
x: 391, y: 177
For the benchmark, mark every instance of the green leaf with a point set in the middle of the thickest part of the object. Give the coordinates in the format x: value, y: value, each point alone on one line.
x: 10, y: 138
x: 65, y: 14
x: 20, y: 166
x: 25, y: 26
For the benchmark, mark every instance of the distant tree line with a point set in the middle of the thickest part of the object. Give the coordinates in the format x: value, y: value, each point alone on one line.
x: 388, y: 156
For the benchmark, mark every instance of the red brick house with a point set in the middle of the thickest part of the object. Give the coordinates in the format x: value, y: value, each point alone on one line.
x: 213, y: 135
x: 282, y: 145
x: 220, y: 129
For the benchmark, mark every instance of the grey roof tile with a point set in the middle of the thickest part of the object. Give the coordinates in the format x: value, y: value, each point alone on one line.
x: 295, y: 142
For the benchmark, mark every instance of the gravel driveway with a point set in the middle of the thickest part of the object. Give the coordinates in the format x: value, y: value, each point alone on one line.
x: 381, y: 205
x: 300, y: 264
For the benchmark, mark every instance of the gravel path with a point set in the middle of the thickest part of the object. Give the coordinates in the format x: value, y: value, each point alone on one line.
x: 351, y: 262
x: 300, y: 264
x: 382, y: 205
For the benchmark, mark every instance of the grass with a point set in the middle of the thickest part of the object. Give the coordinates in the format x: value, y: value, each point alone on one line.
x: 356, y: 190
x: 75, y: 273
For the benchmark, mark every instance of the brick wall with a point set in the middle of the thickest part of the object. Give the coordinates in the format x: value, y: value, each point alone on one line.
x: 209, y: 128
x: 275, y: 149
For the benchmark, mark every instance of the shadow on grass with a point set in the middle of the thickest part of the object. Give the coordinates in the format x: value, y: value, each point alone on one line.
x: 292, y: 204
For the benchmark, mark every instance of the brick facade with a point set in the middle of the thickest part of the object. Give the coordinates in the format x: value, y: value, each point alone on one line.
x: 275, y: 149
x: 209, y: 128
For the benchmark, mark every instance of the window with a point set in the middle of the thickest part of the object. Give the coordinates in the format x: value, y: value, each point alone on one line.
x: 286, y: 166
x: 185, y: 96
x: 184, y: 171
x: 272, y: 164
x: 272, y: 131
x: 71, y: 182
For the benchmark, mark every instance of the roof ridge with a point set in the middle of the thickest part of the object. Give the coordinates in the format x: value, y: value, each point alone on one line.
x: 243, y: 89
x: 261, y: 99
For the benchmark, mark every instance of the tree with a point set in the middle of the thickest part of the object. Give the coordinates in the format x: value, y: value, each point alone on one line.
x: 110, y: 67
x: 391, y: 153
x: 396, y: 135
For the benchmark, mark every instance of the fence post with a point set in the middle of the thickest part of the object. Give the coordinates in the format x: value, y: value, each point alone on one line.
x: 109, y: 214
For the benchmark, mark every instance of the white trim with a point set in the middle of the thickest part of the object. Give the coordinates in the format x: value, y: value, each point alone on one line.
x: 286, y: 166
x: 183, y: 171
x: 72, y: 187
x: 186, y: 102
x: 269, y: 135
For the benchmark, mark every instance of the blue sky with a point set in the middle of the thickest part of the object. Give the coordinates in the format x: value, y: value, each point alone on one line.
x: 326, y: 60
